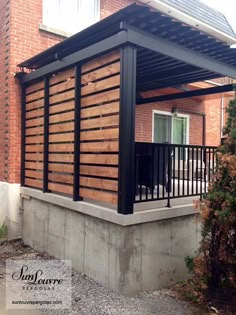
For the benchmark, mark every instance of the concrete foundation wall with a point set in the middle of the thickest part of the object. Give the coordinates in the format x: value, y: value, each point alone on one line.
x: 127, y: 259
x: 10, y: 210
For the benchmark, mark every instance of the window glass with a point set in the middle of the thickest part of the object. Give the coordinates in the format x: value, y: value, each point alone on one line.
x: 70, y: 16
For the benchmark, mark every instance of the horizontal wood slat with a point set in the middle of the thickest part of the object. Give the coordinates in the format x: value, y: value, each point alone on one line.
x: 100, y: 61
x: 63, y: 168
x: 35, y: 87
x: 34, y: 165
x: 34, y: 105
x: 61, y: 117
x: 62, y: 76
x: 63, y: 137
x: 34, y: 122
x: 34, y: 139
x: 34, y: 156
x: 108, y: 146
x: 34, y: 113
x: 70, y: 105
x: 66, y: 158
x: 61, y: 178
x: 98, y: 182
x: 101, y: 85
x: 64, y: 189
x: 100, y: 122
x: 109, y: 159
x: 100, y: 171
x: 100, y: 110
x: 67, y: 85
x: 34, y: 148
x: 34, y: 174
x: 99, y: 195
x: 34, y: 183
x: 65, y: 96
x: 34, y: 131
x: 64, y: 147
x: 104, y: 134
x: 101, y: 73
x: 61, y: 127
x: 34, y: 96
x: 99, y: 98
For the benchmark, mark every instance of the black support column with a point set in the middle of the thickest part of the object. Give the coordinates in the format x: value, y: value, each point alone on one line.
x: 127, y: 130
x: 23, y: 100
x: 76, y: 182
x: 46, y: 134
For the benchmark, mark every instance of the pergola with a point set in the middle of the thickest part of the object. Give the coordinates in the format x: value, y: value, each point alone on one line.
x: 155, y: 52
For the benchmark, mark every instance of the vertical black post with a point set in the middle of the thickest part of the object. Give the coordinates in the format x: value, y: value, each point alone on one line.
x: 168, y: 186
x: 127, y: 130
x: 76, y: 183
x: 23, y: 100
x: 46, y: 134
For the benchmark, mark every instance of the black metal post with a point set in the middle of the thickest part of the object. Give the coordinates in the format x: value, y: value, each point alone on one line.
x: 169, y: 175
x: 76, y: 182
x: 46, y: 134
x: 23, y: 99
x: 127, y: 130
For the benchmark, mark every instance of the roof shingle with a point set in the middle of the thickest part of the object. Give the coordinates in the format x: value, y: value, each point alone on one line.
x: 204, y: 13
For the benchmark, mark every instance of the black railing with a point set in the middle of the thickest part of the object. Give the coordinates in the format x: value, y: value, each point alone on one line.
x: 168, y: 171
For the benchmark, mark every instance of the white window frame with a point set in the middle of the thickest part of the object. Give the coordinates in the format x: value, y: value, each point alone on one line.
x: 54, y: 27
x: 160, y: 112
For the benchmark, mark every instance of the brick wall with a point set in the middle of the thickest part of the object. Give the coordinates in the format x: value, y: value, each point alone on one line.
x: 110, y: 6
x: 20, y: 39
x: 144, y: 114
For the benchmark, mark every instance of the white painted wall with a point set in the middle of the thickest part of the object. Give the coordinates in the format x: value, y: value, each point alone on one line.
x: 10, y: 213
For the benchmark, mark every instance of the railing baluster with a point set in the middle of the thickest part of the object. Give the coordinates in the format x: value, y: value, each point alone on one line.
x: 174, y: 149
x: 158, y: 171
x: 169, y: 175
x: 209, y: 169
x: 153, y: 162
x: 159, y: 163
x: 205, y: 170
x: 193, y: 165
x: 188, y: 171
x: 163, y: 173
x: 201, y: 181
x: 183, y: 165
x: 178, y: 171
x: 197, y: 171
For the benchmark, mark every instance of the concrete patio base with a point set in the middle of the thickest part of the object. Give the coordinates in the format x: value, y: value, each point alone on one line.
x: 137, y: 257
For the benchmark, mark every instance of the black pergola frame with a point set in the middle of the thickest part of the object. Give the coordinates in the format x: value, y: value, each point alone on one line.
x: 129, y: 39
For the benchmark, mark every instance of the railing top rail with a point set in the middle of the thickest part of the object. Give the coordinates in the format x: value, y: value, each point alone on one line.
x: 178, y: 145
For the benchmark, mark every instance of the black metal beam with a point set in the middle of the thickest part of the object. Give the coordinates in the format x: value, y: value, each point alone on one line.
x: 198, y: 92
x: 46, y: 134
x: 83, y: 54
x: 23, y: 100
x: 76, y: 182
x: 166, y: 47
x: 127, y: 130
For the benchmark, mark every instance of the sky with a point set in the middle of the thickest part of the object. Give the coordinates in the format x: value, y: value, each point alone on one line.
x: 227, y: 7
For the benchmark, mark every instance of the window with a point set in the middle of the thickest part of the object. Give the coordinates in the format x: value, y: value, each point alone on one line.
x: 170, y: 128
x: 70, y: 16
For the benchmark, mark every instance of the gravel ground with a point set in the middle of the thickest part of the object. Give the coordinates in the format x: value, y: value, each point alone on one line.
x: 91, y: 298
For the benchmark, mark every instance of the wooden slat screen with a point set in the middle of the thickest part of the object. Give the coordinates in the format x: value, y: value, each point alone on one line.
x: 34, y: 135
x: 100, y: 93
x: 61, y: 132
x: 99, y: 130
